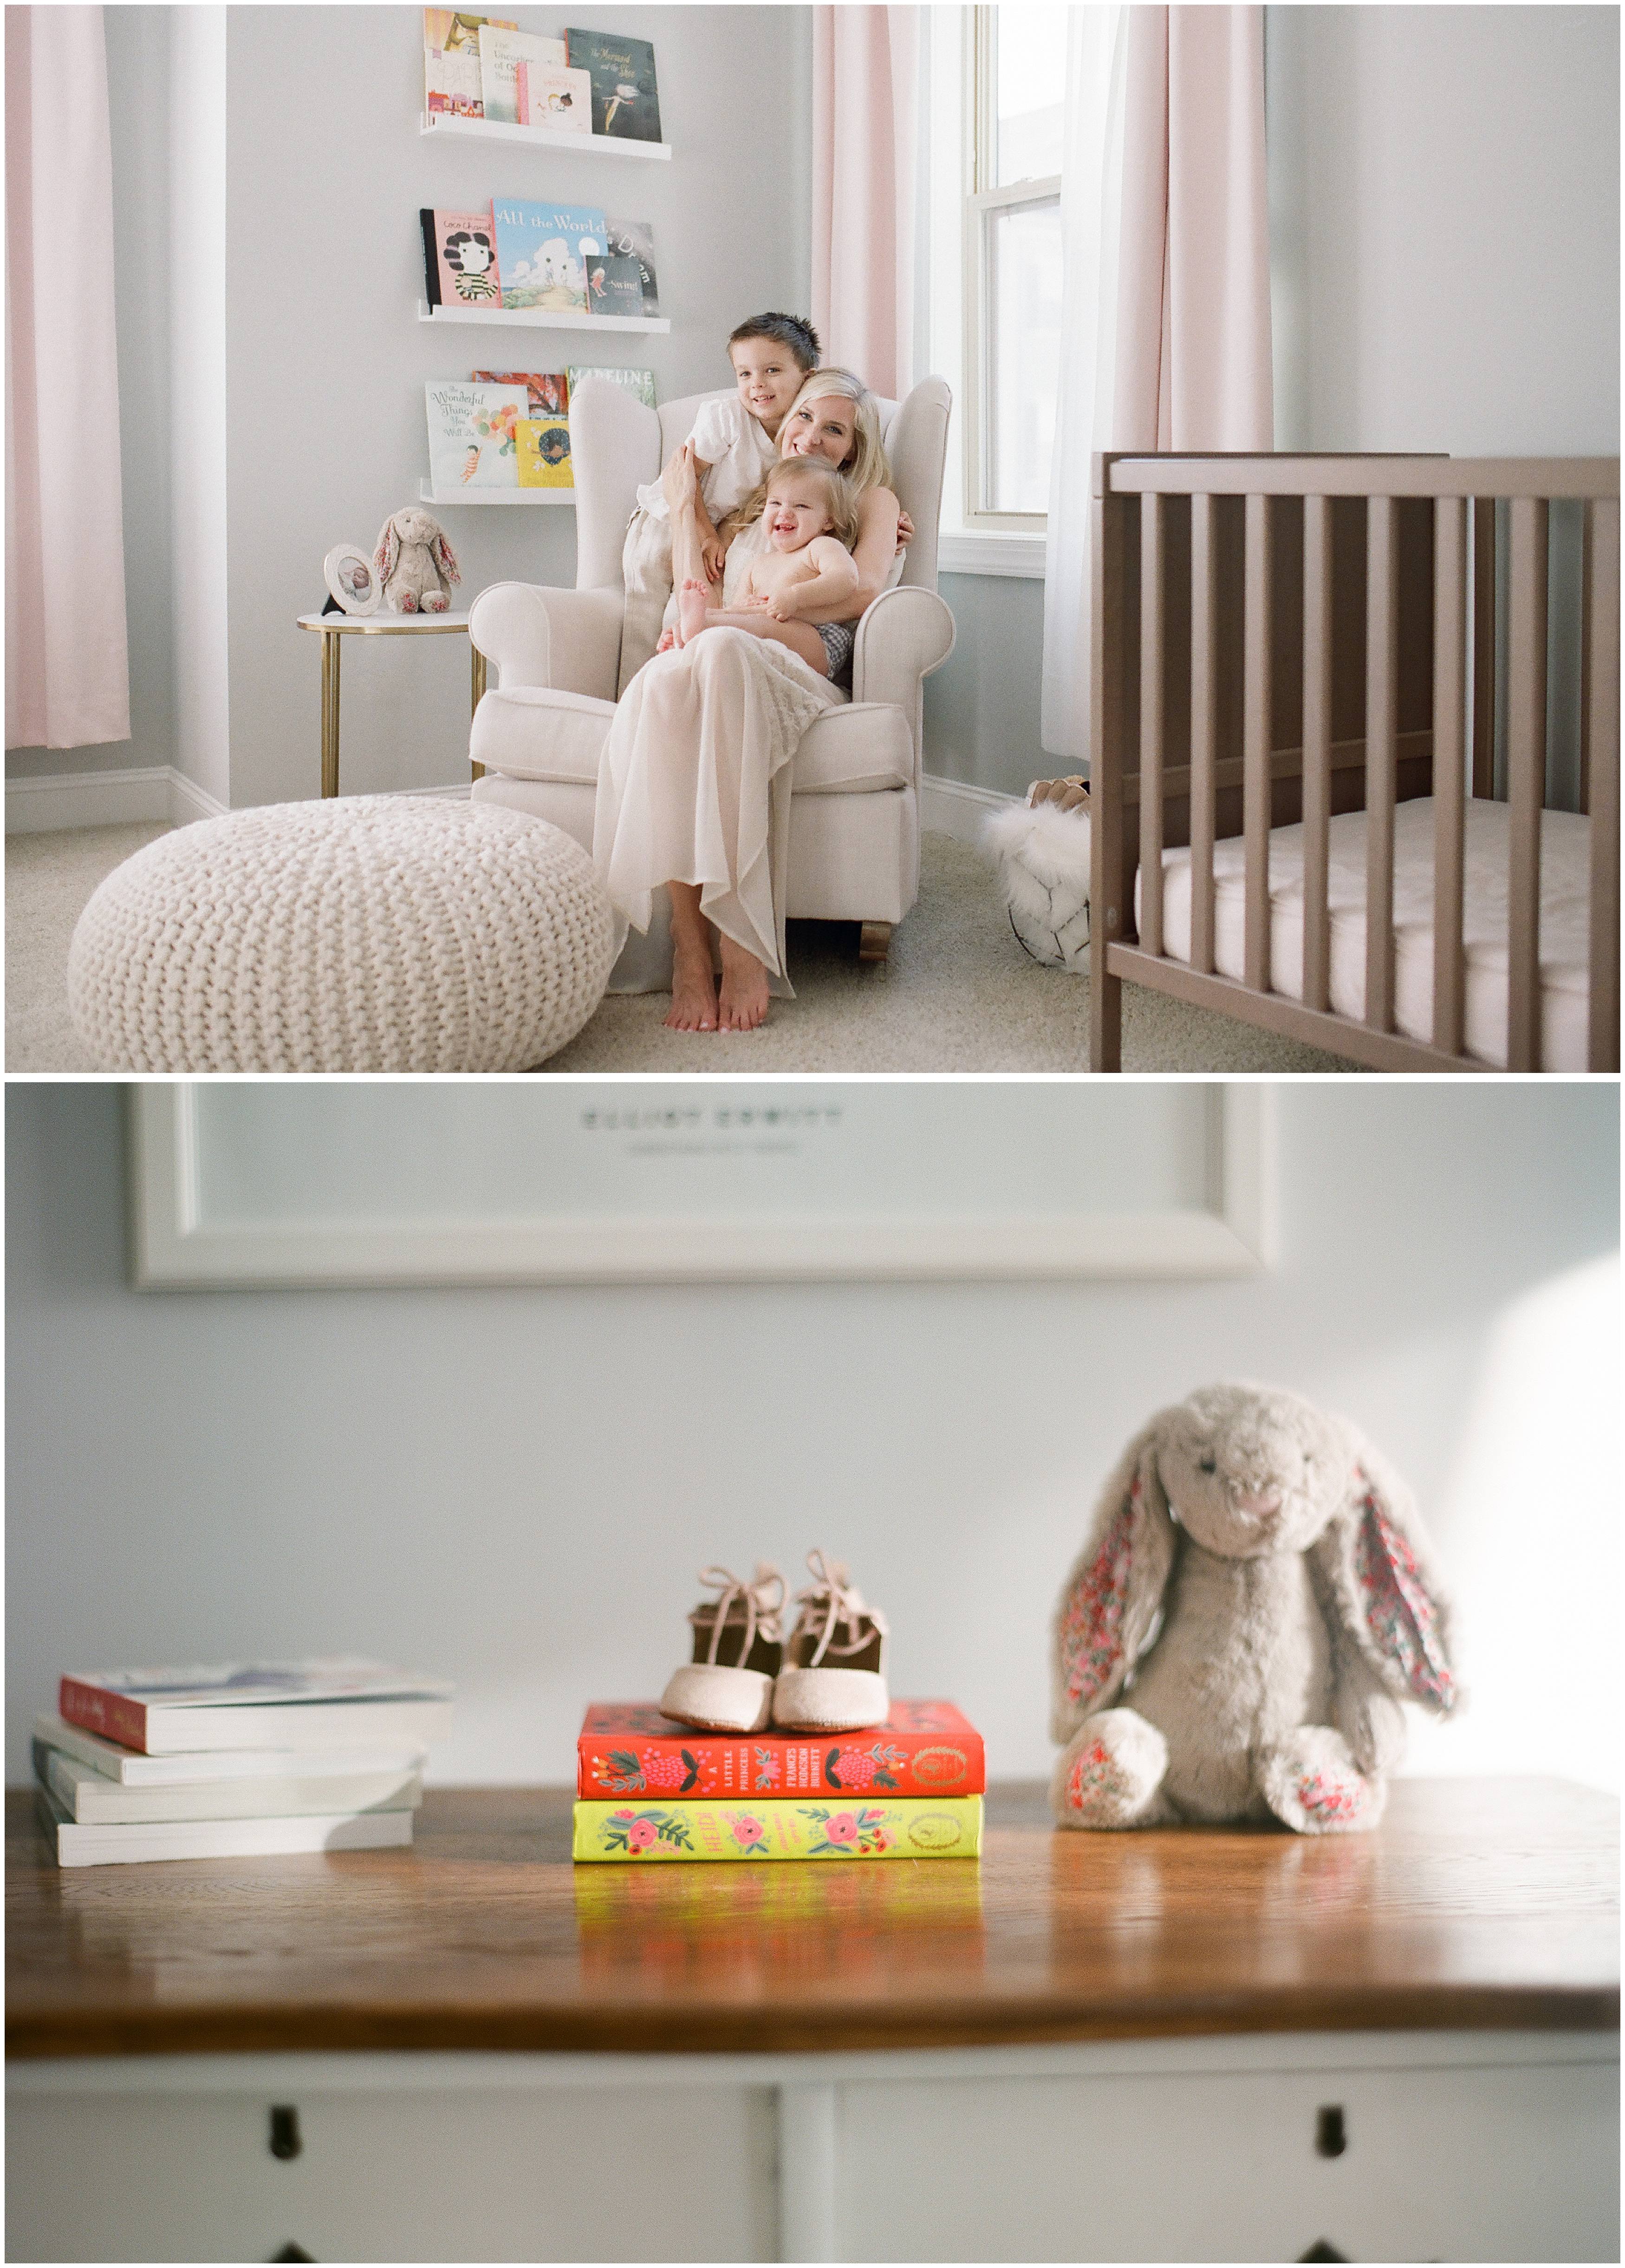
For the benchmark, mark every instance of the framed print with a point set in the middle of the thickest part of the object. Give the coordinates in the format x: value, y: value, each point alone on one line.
x: 352, y: 579
x: 276, y: 1183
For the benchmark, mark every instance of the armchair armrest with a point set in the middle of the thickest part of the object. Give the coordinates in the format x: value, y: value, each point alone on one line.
x: 902, y: 637
x: 568, y: 640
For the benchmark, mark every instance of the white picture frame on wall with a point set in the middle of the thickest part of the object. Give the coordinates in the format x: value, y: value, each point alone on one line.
x: 283, y: 1185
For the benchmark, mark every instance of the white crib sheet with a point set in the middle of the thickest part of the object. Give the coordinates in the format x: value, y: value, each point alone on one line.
x: 1564, y: 911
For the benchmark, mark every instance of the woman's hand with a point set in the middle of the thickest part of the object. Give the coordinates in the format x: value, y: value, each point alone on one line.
x: 905, y: 530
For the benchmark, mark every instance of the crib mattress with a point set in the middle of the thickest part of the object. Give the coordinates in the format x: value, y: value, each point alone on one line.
x: 1564, y: 915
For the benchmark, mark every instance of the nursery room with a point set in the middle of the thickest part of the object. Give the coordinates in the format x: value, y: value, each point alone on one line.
x: 813, y: 539
x: 1052, y: 1716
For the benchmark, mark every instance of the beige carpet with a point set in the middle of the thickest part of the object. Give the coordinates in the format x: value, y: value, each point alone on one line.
x: 957, y: 995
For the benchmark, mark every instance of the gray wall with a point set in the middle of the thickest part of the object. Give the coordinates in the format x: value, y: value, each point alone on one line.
x: 516, y: 1487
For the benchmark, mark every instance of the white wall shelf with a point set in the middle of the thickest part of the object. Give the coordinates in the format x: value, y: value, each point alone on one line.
x: 430, y: 495
x: 539, y: 319
x: 541, y: 137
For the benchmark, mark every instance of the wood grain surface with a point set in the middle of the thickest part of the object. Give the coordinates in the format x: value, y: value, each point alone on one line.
x: 1476, y: 1904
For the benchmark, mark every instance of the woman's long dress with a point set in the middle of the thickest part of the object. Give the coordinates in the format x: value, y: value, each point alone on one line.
x: 695, y: 786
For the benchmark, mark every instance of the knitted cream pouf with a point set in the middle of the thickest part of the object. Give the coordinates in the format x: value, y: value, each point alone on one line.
x: 360, y: 934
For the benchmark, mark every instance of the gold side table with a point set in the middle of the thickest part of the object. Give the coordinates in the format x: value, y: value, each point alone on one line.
x: 333, y: 628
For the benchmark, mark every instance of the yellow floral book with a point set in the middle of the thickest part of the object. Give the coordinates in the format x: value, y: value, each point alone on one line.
x: 907, y: 1826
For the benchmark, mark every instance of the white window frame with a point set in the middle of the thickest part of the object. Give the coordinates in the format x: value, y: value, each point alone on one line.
x: 983, y: 199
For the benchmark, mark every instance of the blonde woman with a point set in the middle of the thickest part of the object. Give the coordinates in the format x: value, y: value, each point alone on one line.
x: 693, y: 792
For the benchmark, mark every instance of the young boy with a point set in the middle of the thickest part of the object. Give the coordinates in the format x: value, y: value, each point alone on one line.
x: 734, y: 449
x: 809, y: 519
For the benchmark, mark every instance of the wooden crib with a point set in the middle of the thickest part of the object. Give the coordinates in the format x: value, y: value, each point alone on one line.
x: 1290, y: 653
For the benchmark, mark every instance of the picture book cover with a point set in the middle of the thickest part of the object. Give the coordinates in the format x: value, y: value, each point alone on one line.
x: 640, y: 382
x: 904, y: 1827
x: 460, y: 259
x: 544, y: 453
x: 548, y: 390
x: 924, y: 1748
x: 453, y: 86
x: 635, y: 239
x: 625, y: 99
x: 500, y: 53
x: 471, y: 435
x: 552, y: 96
x: 545, y: 251
x: 617, y: 286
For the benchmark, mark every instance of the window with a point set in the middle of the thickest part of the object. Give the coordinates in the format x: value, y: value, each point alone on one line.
x: 1013, y: 112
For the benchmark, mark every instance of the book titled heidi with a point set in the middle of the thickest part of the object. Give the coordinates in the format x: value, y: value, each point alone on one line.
x: 899, y: 1827
x: 924, y: 1748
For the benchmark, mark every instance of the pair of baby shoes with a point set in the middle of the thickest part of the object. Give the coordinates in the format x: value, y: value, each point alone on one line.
x: 827, y: 1676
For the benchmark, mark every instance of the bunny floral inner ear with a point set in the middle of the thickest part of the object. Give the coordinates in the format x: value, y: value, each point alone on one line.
x: 1091, y: 1643
x: 1400, y: 1614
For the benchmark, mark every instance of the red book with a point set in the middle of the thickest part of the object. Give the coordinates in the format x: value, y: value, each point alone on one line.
x: 924, y: 1748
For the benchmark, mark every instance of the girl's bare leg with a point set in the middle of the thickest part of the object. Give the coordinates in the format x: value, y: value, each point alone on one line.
x: 744, y: 1004
x: 688, y: 558
x: 694, y: 614
x: 693, y: 987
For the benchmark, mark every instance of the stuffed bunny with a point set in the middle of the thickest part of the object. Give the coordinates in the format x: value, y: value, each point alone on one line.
x: 1254, y: 1601
x: 416, y: 564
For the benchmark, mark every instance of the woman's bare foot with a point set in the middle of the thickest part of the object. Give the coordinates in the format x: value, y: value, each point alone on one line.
x: 744, y: 1003
x: 694, y: 600
x: 694, y: 989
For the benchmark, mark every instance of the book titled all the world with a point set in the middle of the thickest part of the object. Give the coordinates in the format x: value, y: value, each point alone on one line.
x: 924, y: 1748
x: 898, y: 1827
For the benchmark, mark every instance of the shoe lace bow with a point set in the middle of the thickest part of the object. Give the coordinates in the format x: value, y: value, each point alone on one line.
x: 762, y: 1598
x: 833, y: 1596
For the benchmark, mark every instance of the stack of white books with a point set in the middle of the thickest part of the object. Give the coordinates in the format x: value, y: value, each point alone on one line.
x: 235, y: 1759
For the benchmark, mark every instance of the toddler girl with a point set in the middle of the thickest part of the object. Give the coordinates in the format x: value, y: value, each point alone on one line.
x: 801, y: 562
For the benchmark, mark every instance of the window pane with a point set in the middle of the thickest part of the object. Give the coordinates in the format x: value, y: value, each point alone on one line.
x: 1030, y: 75
x: 1023, y: 279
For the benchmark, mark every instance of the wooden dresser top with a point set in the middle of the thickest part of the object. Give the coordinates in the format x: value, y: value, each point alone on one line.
x: 1477, y: 1904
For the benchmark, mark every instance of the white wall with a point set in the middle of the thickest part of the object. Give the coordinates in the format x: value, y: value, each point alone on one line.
x: 514, y: 1488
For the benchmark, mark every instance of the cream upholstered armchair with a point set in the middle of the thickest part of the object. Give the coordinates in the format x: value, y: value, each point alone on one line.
x: 855, y: 807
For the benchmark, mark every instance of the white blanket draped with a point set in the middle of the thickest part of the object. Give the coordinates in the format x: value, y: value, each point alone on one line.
x: 695, y: 786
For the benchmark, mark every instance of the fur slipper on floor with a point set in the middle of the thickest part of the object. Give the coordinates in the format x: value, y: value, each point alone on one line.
x: 1043, y: 857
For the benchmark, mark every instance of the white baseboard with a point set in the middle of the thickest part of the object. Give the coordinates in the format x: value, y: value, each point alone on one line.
x: 950, y: 808
x: 59, y: 799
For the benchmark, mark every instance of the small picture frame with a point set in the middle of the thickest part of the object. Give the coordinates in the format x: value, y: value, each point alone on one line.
x: 352, y: 579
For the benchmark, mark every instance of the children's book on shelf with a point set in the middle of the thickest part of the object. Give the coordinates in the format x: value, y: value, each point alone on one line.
x: 333, y: 1702
x: 640, y: 382
x: 545, y: 252
x: 128, y: 1766
x: 552, y: 96
x: 547, y: 391
x: 625, y: 99
x: 83, y: 1845
x: 500, y: 53
x: 883, y: 1826
x: 544, y: 453
x: 472, y: 442
x: 635, y: 239
x: 460, y: 268
x: 452, y: 86
x: 924, y: 1748
x: 617, y: 285
x: 89, y: 1798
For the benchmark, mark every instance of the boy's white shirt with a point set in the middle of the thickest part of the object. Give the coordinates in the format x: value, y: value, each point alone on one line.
x: 740, y: 453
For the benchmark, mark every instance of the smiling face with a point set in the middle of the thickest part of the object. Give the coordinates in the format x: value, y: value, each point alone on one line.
x: 795, y: 512
x: 1249, y: 1472
x: 826, y: 428
x: 770, y: 378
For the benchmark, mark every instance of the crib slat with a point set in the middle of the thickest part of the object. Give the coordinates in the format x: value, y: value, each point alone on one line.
x: 1255, y: 797
x: 1484, y: 646
x: 1526, y: 766
x: 1600, y: 695
x: 1153, y: 514
x: 1317, y: 749
x: 1450, y: 636
x: 1203, y: 729
x: 1382, y: 629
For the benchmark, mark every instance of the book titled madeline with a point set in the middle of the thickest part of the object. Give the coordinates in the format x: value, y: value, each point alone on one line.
x: 337, y: 1701
x: 901, y: 1827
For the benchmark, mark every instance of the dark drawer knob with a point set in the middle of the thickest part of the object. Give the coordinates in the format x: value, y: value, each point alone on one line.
x: 286, y: 2141
x: 292, y: 2252
x: 1331, y: 2138
x: 1322, y: 2250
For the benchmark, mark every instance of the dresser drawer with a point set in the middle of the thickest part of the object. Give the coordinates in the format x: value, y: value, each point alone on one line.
x: 1469, y: 2163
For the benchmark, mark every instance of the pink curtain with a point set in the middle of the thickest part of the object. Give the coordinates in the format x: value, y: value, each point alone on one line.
x: 865, y: 100
x: 66, y: 675
x: 1192, y: 363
